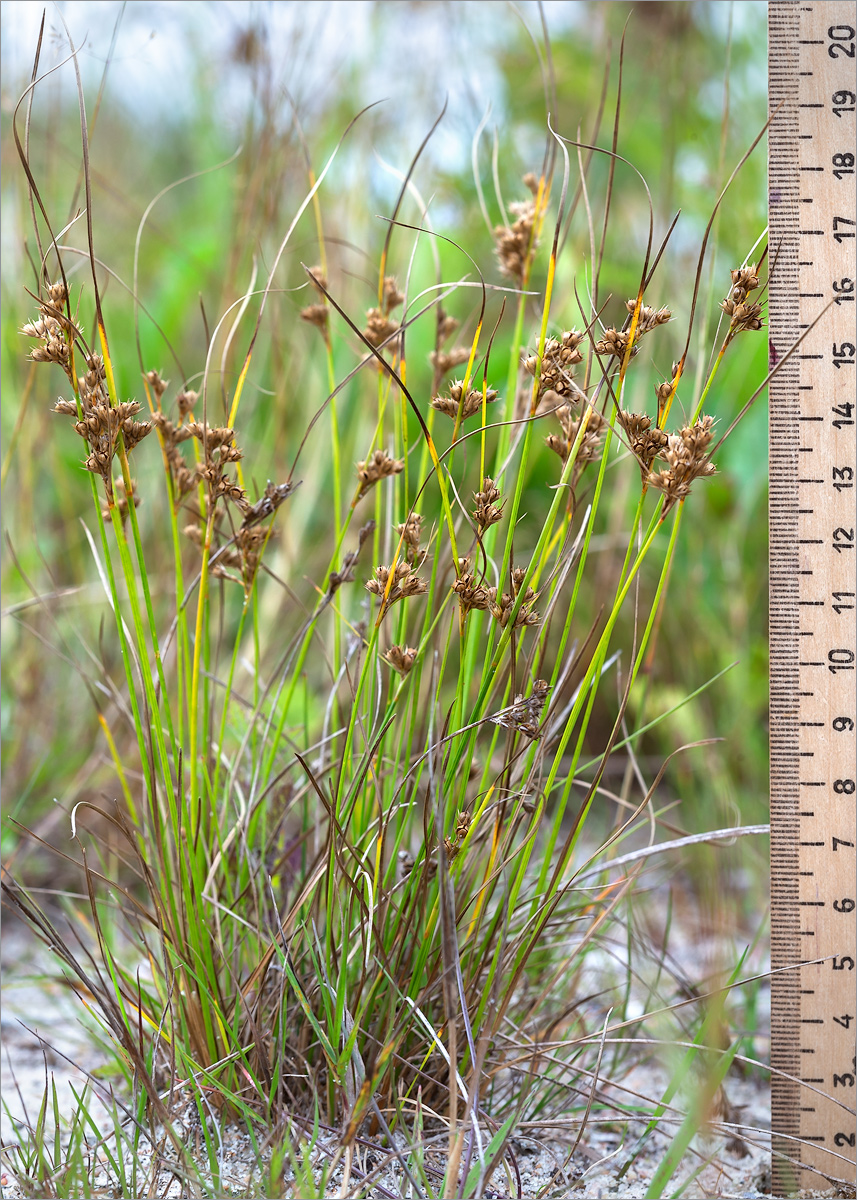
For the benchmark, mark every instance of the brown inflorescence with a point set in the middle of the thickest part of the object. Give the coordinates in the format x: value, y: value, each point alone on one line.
x: 501, y: 608
x: 743, y: 316
x: 401, y: 658
x: 462, y: 826
x: 559, y: 358
x: 380, y: 325
x: 182, y: 477
x: 405, y: 583
x: 645, y: 441
x: 317, y: 314
x: 246, y: 555
x: 593, y: 434
x: 649, y: 318
x: 444, y: 361
x: 515, y: 244
x: 470, y: 593
x: 54, y: 330
x: 158, y: 385
x: 467, y: 404
x: 102, y: 424
x: 379, y: 466
x: 524, y: 715
x: 268, y: 503
x: 487, y: 511
x: 687, y: 459
x: 615, y: 341
x: 220, y: 450
x: 410, y: 532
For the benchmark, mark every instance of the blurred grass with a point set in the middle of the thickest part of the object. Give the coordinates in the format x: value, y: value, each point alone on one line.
x: 197, y: 255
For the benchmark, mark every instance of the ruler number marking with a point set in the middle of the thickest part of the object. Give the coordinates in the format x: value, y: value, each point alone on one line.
x: 843, y: 41
x: 813, y: 100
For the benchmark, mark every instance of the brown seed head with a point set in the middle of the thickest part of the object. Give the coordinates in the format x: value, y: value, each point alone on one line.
x: 410, y: 533
x: 487, y: 511
x: 687, y: 459
x: 743, y: 317
x: 525, y: 714
x: 317, y: 315
x: 446, y: 326
x: 57, y: 294
x: 379, y: 327
x: 744, y: 281
x: 516, y: 244
x: 379, y: 466
x: 615, y: 342
x: 186, y: 401
x: 590, y: 442
x: 406, y: 583
x: 401, y: 658
x: 156, y: 383
x: 271, y: 499
x: 470, y: 593
x: 561, y: 355
x: 650, y: 318
x: 392, y: 296
x: 457, y: 401
x: 444, y: 361
x: 317, y: 277
x: 646, y: 443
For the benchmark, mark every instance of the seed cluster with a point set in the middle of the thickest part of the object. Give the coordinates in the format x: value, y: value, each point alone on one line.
x: 593, y: 435
x: 462, y: 826
x: 380, y: 324
x: 561, y: 355
x: 743, y: 316
x: 473, y: 594
x: 487, y: 511
x: 270, y: 500
x: 405, y: 583
x: 318, y: 313
x: 467, y: 404
x: 444, y: 361
x: 410, y: 532
x: 379, y: 466
x: 516, y: 244
x: 183, y: 479
x: 401, y: 658
x: 645, y: 441
x: 244, y: 553
x: 54, y: 329
x: 524, y: 715
x: 102, y: 424
x: 686, y: 460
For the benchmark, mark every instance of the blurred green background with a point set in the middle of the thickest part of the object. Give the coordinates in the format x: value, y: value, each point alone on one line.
x: 174, y: 89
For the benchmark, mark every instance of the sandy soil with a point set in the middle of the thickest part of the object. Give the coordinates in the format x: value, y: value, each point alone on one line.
x: 45, y: 1038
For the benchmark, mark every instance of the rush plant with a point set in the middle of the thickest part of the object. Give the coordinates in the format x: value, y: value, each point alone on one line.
x: 347, y: 888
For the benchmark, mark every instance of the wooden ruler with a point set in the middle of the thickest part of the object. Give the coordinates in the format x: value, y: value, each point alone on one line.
x: 813, y: 528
